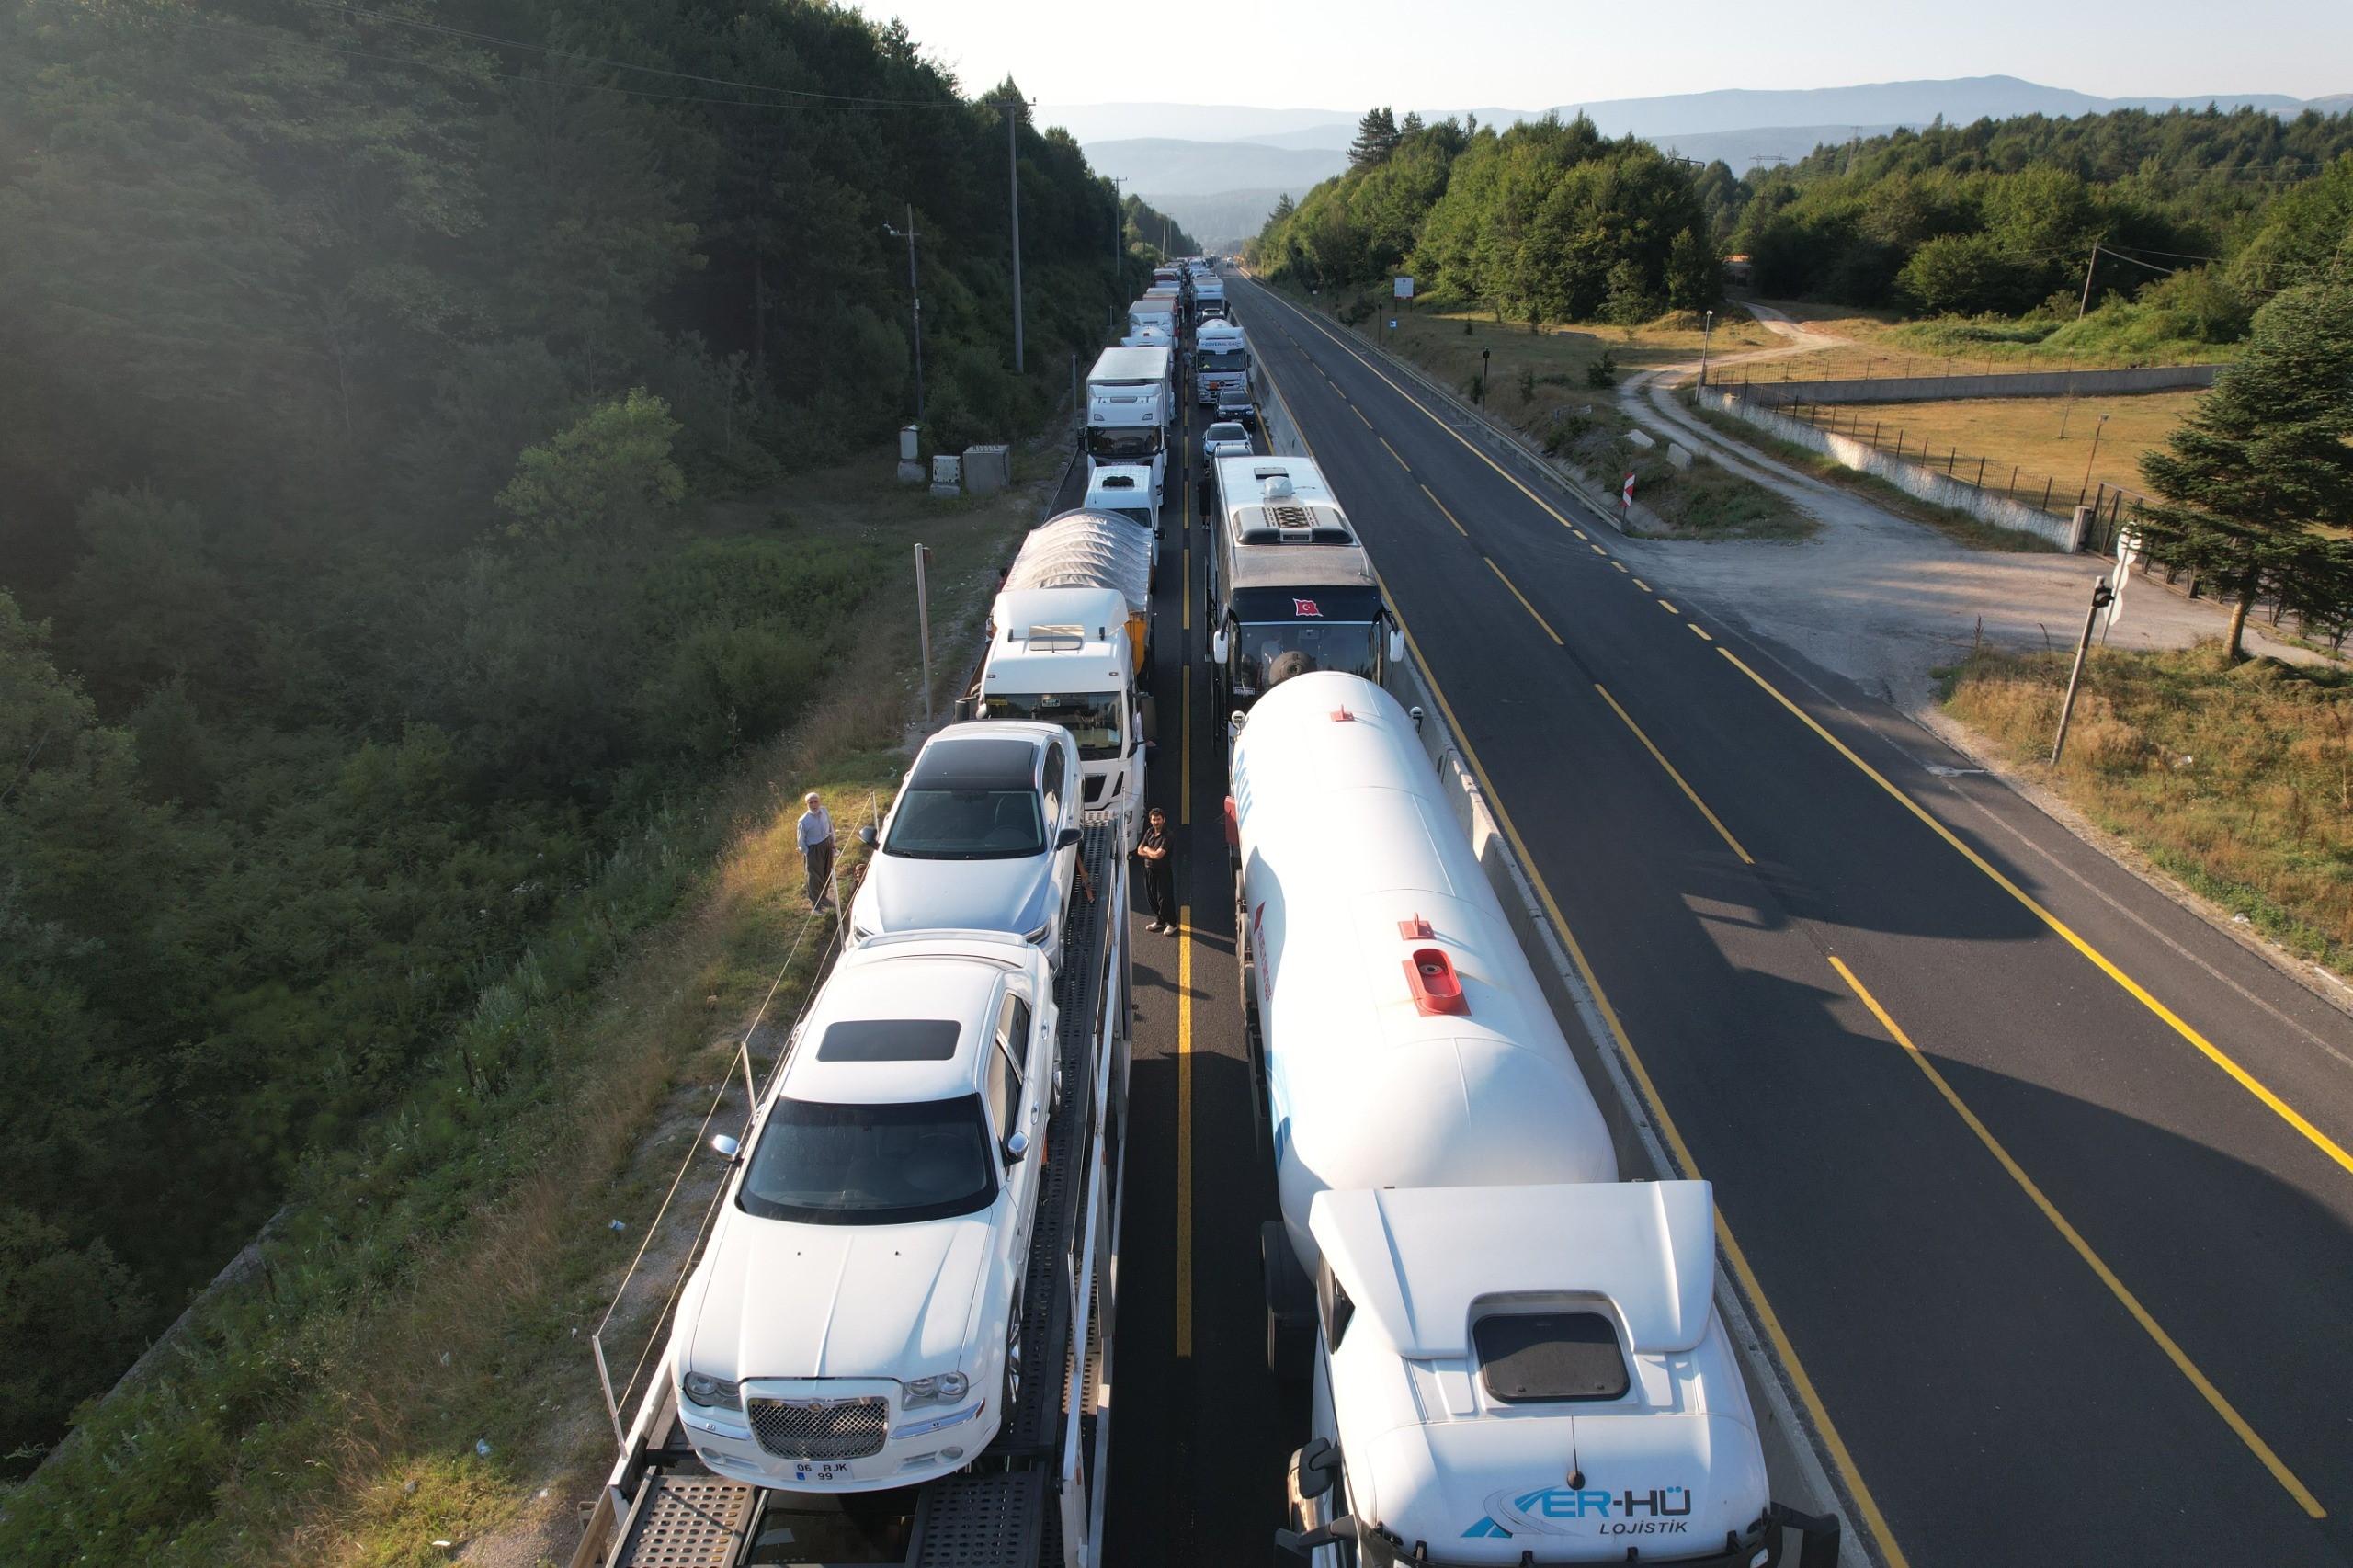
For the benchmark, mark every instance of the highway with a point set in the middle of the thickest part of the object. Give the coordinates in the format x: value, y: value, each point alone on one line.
x: 2041, y: 1180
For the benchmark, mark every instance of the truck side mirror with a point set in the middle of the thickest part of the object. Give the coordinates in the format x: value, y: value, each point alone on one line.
x: 1319, y: 1466
x: 868, y: 836
x: 1219, y: 646
x: 1415, y: 714
x: 1396, y: 645
x: 1148, y: 717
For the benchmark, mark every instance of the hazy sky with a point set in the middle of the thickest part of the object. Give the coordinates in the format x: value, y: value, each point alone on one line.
x: 1346, y: 54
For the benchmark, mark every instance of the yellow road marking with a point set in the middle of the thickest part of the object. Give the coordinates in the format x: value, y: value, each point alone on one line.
x: 2181, y: 1026
x: 1670, y: 609
x: 1597, y: 549
x: 1696, y: 632
x: 1689, y: 793
x: 1450, y: 517
x: 1640, y: 584
x: 2173, y: 1353
x: 1522, y: 599
x: 1619, y: 564
x: 1393, y: 452
x: 1185, y: 1131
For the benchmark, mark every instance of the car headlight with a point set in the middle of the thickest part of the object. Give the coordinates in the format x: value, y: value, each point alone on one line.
x: 714, y: 1393
x: 939, y: 1389
x: 1037, y: 936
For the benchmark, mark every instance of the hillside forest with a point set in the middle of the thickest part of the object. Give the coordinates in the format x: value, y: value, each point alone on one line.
x: 2199, y: 216
x: 356, y: 616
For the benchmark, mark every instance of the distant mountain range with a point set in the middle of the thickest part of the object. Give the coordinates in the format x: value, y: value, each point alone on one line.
x: 1212, y: 167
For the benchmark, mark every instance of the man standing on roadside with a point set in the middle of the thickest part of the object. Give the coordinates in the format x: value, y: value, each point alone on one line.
x: 815, y: 836
x: 1159, y: 872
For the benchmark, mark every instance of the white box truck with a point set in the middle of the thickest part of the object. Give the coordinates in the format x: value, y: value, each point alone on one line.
x: 1131, y: 408
x: 1221, y: 362
x: 1516, y: 1358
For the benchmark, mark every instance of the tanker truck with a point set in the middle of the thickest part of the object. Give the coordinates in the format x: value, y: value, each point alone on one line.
x: 1516, y: 1357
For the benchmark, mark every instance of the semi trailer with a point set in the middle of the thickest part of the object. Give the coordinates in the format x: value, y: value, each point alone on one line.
x: 1514, y: 1358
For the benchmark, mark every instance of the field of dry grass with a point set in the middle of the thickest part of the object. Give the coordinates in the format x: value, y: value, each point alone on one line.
x: 1880, y: 345
x: 2041, y: 439
x: 2237, y: 780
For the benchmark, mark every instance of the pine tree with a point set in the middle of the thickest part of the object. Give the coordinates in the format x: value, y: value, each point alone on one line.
x: 1410, y: 124
x: 2263, y: 460
x: 1284, y: 207
x: 1377, y: 137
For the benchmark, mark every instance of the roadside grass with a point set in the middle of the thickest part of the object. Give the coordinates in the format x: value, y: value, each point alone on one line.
x: 1881, y: 347
x: 1961, y: 528
x: 1703, y: 500
x: 412, y: 1365
x: 2039, y: 438
x: 1435, y: 338
x: 2237, y: 780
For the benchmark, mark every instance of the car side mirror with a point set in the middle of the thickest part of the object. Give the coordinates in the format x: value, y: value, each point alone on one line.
x: 728, y: 1148
x: 1016, y: 1147
x: 1396, y: 646
x: 1067, y: 839
x: 1219, y: 646
x: 869, y: 836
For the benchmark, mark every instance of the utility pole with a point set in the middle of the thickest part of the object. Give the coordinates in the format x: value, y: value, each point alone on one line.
x: 2102, y: 596
x: 1482, y: 379
x: 1705, y: 338
x: 2097, y: 429
x: 1012, y: 106
x: 2090, y: 267
x: 922, y: 627
x: 909, y: 233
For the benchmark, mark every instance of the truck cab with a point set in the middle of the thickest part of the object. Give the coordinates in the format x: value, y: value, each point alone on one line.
x: 1221, y: 362
x: 1066, y: 656
x: 1290, y: 587
x: 1131, y: 491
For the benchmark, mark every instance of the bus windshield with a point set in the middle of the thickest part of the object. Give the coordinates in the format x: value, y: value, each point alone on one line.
x: 1267, y: 653
x: 1091, y: 717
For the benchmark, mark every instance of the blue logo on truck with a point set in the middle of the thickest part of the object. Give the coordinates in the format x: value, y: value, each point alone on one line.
x: 1561, y: 1510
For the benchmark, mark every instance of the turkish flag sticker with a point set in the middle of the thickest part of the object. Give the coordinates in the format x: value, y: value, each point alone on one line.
x: 1305, y: 607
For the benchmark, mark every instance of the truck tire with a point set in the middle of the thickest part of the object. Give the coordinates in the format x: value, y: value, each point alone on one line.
x: 1290, y: 1306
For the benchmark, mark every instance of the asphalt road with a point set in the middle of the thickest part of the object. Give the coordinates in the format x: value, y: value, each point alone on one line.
x: 2042, y: 1179
x: 1199, y: 1431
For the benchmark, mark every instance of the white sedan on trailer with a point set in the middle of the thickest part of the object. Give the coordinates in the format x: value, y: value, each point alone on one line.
x: 856, y: 1323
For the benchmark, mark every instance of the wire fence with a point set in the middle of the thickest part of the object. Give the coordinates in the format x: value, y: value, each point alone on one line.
x: 2110, y: 508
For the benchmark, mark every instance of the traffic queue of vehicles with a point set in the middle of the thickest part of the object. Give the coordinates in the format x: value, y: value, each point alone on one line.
x: 1514, y: 1358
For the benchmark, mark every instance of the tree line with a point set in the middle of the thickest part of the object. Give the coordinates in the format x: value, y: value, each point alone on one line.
x: 1546, y: 221
x: 2195, y: 212
x: 359, y: 363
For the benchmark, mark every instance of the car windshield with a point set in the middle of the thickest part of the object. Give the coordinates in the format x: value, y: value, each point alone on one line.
x: 1123, y: 440
x: 869, y: 1165
x: 1225, y: 430
x: 1271, y: 653
x: 1091, y: 717
x: 959, y: 824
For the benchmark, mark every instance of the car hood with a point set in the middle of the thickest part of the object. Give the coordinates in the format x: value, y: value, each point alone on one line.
x: 1672, y: 1484
x: 901, y: 894
x: 776, y: 1300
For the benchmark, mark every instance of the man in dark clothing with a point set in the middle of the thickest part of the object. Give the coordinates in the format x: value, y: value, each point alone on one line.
x: 1159, y: 872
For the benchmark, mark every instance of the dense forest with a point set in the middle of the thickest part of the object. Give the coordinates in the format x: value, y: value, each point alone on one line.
x: 360, y: 365
x: 1548, y: 220
x: 1153, y: 235
x: 2199, y: 212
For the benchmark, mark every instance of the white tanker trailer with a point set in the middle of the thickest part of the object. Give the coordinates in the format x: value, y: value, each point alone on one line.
x: 1517, y: 1357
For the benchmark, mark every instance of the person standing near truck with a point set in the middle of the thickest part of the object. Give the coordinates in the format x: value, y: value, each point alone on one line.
x: 1159, y: 872
x: 815, y: 836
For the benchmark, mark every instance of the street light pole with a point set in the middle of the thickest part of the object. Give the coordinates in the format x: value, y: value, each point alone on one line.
x: 2102, y: 596
x: 909, y: 233
x: 1707, y: 336
x: 2088, y: 461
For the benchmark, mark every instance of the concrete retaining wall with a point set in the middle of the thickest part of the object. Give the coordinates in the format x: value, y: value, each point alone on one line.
x: 2017, y: 383
x: 1911, y: 478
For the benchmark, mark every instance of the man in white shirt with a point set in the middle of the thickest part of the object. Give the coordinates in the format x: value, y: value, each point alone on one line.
x: 815, y: 836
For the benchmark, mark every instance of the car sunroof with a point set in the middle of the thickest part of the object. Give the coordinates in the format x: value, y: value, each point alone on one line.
x: 890, y: 1039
